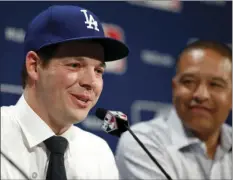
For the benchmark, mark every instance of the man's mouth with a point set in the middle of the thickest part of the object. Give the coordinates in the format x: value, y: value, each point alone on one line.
x: 200, y: 109
x: 81, y: 100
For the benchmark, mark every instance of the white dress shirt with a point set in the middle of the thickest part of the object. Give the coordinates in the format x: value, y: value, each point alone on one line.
x: 22, y: 135
x: 181, y: 154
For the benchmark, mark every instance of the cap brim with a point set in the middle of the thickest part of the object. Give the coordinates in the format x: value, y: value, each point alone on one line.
x: 114, y: 49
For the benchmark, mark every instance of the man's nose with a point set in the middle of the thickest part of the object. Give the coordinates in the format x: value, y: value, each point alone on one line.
x: 201, y: 93
x: 87, y: 79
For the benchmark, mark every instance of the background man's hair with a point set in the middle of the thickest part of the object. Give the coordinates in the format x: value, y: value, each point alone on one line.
x: 221, y: 48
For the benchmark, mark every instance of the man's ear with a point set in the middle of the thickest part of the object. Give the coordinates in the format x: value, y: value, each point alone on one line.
x: 173, y: 83
x: 32, y: 63
x: 231, y: 103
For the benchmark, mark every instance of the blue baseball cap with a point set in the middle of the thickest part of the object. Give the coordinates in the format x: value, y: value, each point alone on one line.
x: 64, y: 23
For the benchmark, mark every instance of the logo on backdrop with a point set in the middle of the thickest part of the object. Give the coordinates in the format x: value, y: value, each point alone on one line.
x: 216, y: 3
x: 171, y: 5
x: 14, y: 34
x: 155, y: 107
x: 90, y: 21
x: 156, y: 58
x: 116, y: 32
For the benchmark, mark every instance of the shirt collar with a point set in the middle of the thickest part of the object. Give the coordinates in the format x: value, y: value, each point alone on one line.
x: 182, y: 137
x: 226, y: 137
x: 33, y: 127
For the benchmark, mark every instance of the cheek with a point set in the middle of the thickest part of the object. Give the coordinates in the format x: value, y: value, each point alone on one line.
x: 181, y: 95
x: 99, y: 87
x: 223, y: 100
x: 55, y: 82
x: 63, y: 80
x: 101, y: 84
x: 69, y: 79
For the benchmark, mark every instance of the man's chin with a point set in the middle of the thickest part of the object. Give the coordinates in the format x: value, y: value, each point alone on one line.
x: 79, y: 117
x: 200, y: 124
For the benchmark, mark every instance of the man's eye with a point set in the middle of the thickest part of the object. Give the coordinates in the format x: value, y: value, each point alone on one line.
x: 100, y: 71
x: 187, y: 81
x: 213, y: 84
x: 74, y: 65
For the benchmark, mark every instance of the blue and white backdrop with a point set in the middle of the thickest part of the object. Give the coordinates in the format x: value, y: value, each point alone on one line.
x: 155, y: 31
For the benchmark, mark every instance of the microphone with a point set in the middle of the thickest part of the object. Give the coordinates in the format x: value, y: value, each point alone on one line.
x: 116, y: 123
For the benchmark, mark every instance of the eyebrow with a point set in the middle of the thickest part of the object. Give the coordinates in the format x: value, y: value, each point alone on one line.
x: 102, y: 64
x: 219, y: 79
x: 187, y: 75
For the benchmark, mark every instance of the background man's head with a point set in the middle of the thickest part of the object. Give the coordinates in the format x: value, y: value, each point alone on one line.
x: 202, y: 86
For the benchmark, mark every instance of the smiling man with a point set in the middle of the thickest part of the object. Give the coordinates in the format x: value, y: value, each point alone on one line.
x: 65, y: 54
x: 202, y: 91
x: 193, y: 142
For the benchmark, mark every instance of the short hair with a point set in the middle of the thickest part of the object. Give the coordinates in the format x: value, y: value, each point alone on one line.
x: 219, y: 47
x: 46, y: 54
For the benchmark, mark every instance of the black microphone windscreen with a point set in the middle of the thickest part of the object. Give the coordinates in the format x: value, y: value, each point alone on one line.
x: 100, y: 113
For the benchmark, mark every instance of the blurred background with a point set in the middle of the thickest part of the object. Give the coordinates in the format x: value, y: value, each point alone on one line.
x: 155, y: 31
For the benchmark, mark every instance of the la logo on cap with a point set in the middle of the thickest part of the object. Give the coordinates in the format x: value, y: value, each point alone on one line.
x: 90, y: 21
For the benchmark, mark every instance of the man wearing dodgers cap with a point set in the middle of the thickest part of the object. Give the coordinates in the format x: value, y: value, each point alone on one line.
x: 65, y: 53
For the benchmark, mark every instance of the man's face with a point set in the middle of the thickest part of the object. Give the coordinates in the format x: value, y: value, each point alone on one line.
x: 71, y: 84
x: 202, y: 89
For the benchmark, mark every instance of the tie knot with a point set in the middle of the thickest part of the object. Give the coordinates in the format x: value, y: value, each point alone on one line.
x: 56, y: 144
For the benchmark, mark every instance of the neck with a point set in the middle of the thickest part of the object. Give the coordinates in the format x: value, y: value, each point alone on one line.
x: 40, y: 110
x: 211, y: 141
x: 57, y: 129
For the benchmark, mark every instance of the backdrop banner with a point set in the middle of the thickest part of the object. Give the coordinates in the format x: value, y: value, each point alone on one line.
x: 155, y: 31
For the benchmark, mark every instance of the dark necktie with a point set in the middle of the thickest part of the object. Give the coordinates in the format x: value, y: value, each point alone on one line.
x: 56, y: 169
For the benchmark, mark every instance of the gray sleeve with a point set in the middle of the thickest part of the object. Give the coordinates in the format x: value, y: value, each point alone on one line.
x: 134, y: 163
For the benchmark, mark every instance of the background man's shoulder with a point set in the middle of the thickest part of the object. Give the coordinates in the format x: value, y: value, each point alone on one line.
x: 155, y: 131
